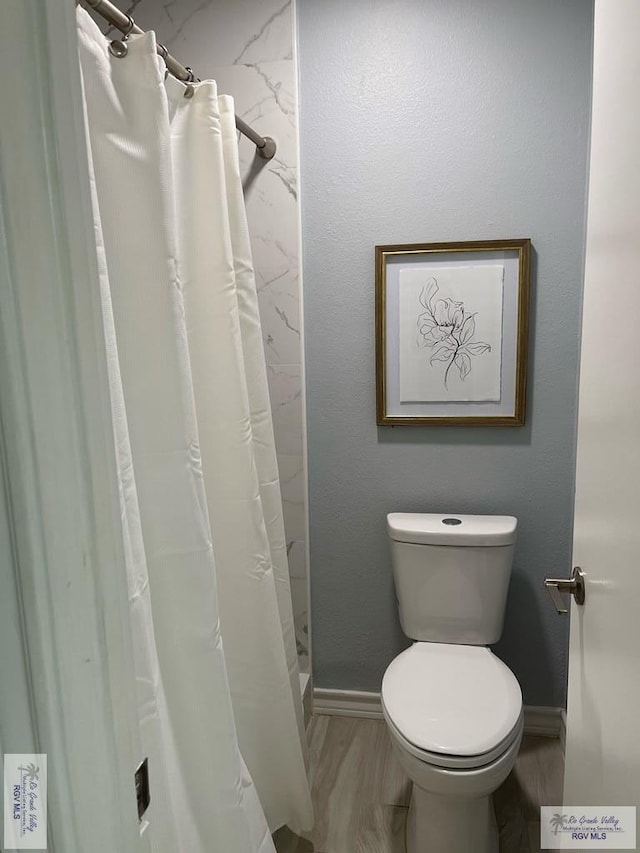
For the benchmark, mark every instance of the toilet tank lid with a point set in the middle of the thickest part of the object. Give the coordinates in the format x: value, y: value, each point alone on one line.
x: 426, y: 528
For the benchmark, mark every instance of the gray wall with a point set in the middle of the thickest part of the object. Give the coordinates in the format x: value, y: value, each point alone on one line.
x: 424, y: 121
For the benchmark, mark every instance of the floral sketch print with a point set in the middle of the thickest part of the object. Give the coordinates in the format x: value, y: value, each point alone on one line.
x: 447, y: 329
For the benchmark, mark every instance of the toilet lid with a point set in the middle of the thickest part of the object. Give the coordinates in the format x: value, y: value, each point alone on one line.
x: 451, y: 699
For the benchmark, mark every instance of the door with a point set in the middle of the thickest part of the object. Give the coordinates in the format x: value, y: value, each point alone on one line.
x: 603, y: 747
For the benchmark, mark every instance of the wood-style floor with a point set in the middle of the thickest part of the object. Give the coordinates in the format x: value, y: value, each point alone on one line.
x: 361, y: 795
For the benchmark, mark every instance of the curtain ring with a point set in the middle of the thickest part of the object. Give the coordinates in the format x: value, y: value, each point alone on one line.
x: 132, y: 23
x: 192, y: 77
x: 163, y: 53
x: 118, y: 48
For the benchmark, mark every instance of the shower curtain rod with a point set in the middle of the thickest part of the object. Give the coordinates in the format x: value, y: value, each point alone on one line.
x: 265, y: 145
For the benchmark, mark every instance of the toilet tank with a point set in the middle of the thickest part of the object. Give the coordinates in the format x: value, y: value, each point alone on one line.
x: 451, y: 575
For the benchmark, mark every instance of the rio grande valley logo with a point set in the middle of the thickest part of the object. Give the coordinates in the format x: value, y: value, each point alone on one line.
x: 588, y: 828
x: 25, y: 800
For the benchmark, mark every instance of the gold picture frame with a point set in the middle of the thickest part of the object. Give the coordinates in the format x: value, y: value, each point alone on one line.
x: 440, y: 326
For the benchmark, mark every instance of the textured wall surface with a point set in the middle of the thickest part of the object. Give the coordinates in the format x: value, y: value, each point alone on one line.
x: 248, y: 48
x: 427, y: 120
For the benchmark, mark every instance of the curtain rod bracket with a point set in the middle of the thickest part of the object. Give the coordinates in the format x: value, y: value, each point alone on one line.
x: 268, y: 150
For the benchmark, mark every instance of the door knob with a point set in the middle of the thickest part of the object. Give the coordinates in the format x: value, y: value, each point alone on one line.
x: 575, y: 586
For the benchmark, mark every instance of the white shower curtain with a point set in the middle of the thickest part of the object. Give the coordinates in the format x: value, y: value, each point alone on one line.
x: 218, y: 686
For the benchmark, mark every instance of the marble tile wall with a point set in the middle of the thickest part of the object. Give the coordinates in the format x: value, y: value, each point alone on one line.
x: 247, y: 46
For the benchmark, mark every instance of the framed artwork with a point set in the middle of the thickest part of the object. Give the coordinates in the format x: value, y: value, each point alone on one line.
x: 452, y: 333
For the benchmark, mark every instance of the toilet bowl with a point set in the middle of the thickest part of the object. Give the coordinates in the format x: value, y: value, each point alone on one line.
x: 455, y: 719
x: 452, y: 707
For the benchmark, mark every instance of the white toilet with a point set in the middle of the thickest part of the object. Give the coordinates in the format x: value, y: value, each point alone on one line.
x: 454, y: 710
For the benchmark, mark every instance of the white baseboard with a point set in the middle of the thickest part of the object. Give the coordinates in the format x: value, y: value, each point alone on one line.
x: 538, y: 720
x: 347, y: 703
x: 542, y: 720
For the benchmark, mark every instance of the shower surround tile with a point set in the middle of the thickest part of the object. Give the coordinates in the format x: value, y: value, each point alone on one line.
x: 297, y: 559
x: 299, y: 596
x: 293, y: 496
x: 285, y: 386
x: 220, y: 32
x: 247, y: 46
